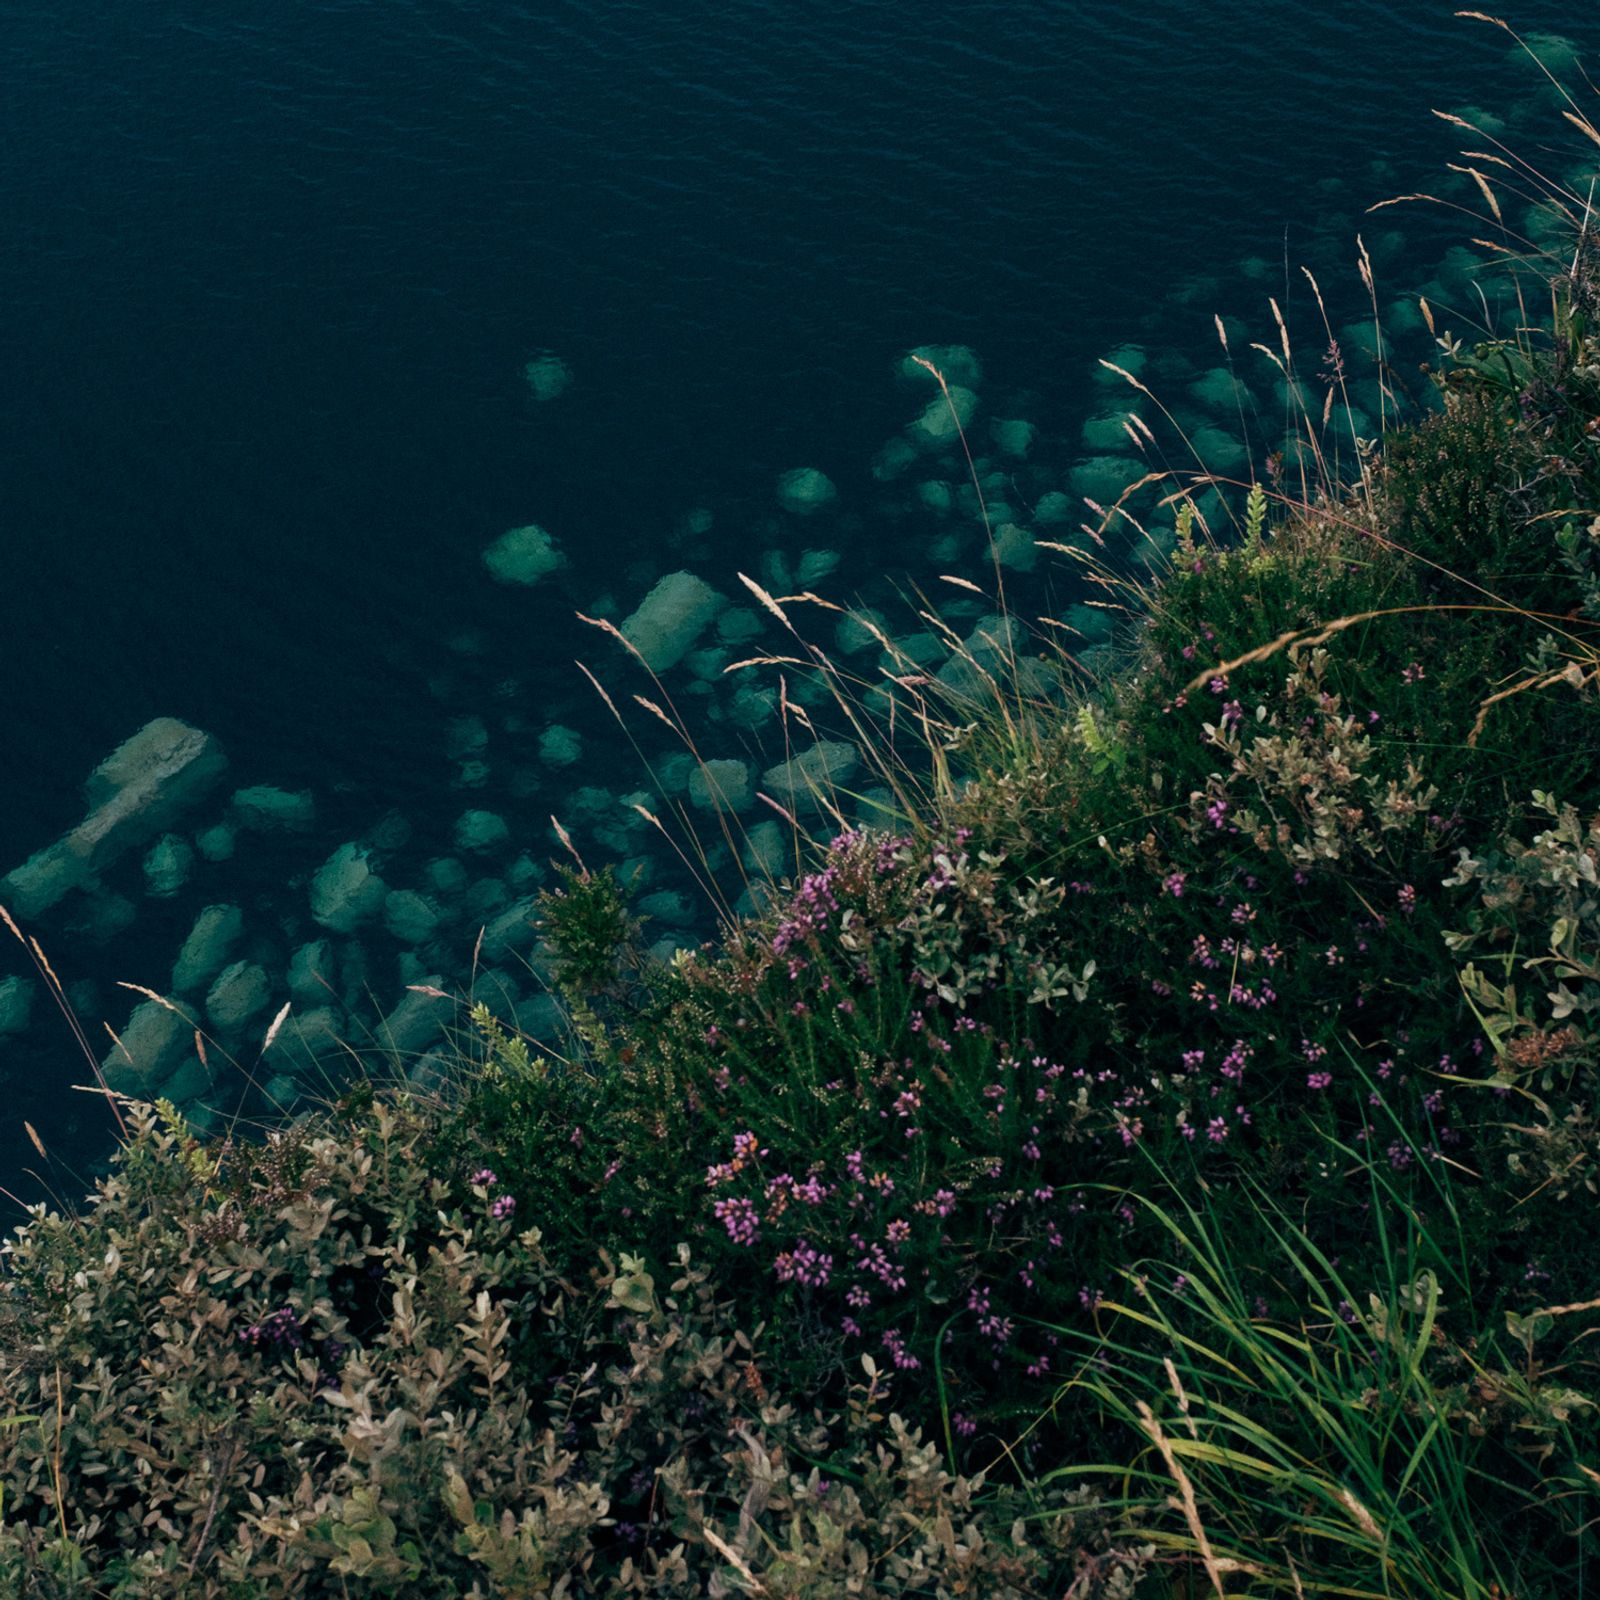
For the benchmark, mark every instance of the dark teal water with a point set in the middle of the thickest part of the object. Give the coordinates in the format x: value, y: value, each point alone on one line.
x: 272, y: 268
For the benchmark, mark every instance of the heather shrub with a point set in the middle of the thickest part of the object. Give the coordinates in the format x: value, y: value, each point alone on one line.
x: 321, y: 1366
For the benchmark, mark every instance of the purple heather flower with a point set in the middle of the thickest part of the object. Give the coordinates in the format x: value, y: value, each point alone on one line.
x: 502, y: 1208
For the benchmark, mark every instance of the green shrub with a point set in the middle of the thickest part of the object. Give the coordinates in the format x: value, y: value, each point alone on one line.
x: 312, y: 1368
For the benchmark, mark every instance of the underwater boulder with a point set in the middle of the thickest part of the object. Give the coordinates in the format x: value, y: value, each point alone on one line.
x: 417, y: 1022
x: 861, y: 628
x: 157, y: 1040
x: 1132, y: 358
x: 815, y: 565
x: 346, y: 892
x: 738, y: 625
x: 943, y: 419
x: 264, y: 809
x: 411, y: 918
x: 1015, y: 548
x: 141, y: 790
x: 480, y: 831
x: 805, y: 490
x: 1055, y: 508
x: 1013, y: 438
x: 805, y: 781
x: 217, y: 843
x: 204, y: 953
x: 167, y: 866
x: 720, y: 785
x: 1219, y: 451
x: 670, y: 618
x: 16, y: 1004
x: 956, y: 362
x: 560, y: 746
x: 514, y: 929
x: 307, y: 1038
x: 446, y: 875
x: 523, y: 555
x: 548, y: 378
x: 1103, y: 478
x: 313, y: 972
x: 240, y: 994
x: 892, y: 460
x: 165, y: 761
x: 43, y: 881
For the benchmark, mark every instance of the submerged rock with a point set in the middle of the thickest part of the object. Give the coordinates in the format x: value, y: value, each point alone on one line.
x: 806, y: 490
x: 446, y: 876
x: 16, y: 1004
x: 313, y: 972
x: 240, y: 994
x: 154, y: 1044
x: 807, y: 780
x: 206, y: 950
x: 417, y: 1022
x: 217, y: 843
x: 861, y: 629
x: 739, y: 626
x: 512, y: 930
x: 1132, y: 358
x: 43, y: 881
x: 525, y: 872
x: 560, y: 746
x: 481, y: 831
x: 167, y: 866
x: 768, y: 850
x: 1013, y: 438
x: 815, y: 565
x: 144, y: 787
x: 346, y: 892
x: 165, y: 761
x: 102, y: 915
x: 1103, y: 478
x: 1014, y: 547
x: 720, y: 785
x: 282, y: 1092
x: 307, y: 1038
x: 957, y: 362
x: 667, y: 906
x: 264, y: 809
x: 671, y: 618
x: 138, y: 792
x: 1055, y: 508
x: 523, y: 555
x: 938, y: 424
x: 412, y: 918
x: 893, y: 459
x: 548, y: 378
